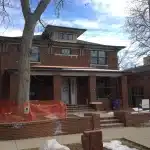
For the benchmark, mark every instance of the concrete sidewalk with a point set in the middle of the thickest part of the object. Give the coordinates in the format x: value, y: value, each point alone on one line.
x: 139, y: 135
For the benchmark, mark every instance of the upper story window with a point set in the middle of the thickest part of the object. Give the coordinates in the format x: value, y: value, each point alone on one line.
x: 66, y: 52
x: 98, y: 57
x: 65, y: 36
x: 35, y: 54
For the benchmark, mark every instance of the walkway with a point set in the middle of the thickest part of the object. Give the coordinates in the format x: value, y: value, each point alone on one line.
x: 139, y: 135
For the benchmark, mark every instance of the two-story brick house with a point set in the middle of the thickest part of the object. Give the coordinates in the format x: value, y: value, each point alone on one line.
x: 64, y: 68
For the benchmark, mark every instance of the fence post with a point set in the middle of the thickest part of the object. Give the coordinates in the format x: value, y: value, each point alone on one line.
x: 96, y: 121
x: 92, y: 140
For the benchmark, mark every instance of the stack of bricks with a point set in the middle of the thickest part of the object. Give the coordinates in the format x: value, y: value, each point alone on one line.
x: 95, y: 120
x: 92, y: 140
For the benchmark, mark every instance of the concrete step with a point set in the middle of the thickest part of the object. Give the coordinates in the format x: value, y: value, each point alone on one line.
x: 146, y: 124
x: 108, y: 118
x: 112, y: 125
x: 108, y: 121
x: 80, y: 110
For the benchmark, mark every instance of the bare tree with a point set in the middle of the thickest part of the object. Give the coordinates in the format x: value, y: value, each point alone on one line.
x: 138, y: 25
x: 126, y: 59
x: 31, y: 18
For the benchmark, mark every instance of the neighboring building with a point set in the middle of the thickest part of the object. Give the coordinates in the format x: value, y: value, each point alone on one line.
x: 138, y: 83
x: 64, y: 68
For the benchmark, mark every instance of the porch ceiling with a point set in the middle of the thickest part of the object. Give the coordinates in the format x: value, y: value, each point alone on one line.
x: 71, y: 71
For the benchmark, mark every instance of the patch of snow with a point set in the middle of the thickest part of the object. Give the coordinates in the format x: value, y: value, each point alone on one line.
x: 144, y: 111
x: 111, y: 113
x: 116, y: 145
x: 137, y: 109
x: 53, y: 145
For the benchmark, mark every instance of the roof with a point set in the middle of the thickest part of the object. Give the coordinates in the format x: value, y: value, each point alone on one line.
x: 77, y: 69
x: 97, y: 44
x: 61, y: 28
x: 139, y: 69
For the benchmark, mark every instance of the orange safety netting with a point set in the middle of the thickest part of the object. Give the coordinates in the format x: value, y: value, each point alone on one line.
x: 38, y: 110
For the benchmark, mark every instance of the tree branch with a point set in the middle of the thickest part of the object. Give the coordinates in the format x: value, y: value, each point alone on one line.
x: 41, y: 22
x: 40, y: 9
x: 25, y: 8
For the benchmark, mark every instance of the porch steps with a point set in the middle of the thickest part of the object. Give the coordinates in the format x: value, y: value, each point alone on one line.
x: 79, y: 108
x: 110, y: 122
x: 146, y: 124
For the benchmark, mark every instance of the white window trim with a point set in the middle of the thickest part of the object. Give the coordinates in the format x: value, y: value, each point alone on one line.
x: 67, y: 55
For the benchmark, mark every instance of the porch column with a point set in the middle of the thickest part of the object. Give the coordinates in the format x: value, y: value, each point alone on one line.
x: 113, y: 85
x: 124, y: 84
x: 13, y: 87
x: 57, y: 82
x: 146, y: 88
x: 92, y: 88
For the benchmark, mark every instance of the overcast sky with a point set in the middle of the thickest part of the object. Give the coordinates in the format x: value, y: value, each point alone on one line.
x: 103, y: 19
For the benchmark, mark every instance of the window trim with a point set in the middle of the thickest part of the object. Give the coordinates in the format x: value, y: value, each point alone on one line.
x: 38, y: 53
x: 63, y: 34
x: 66, y: 49
x: 98, y: 58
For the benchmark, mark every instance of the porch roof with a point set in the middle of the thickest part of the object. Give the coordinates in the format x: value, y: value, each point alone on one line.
x: 68, y: 68
x: 71, y: 71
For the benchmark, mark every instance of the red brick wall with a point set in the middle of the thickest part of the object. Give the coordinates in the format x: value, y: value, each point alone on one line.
x: 53, y: 60
x: 132, y: 119
x: 57, y: 81
x: 46, y: 128
x: 11, y: 58
x: 112, y: 60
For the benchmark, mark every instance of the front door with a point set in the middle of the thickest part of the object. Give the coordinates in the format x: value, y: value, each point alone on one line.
x: 73, y: 90
x: 65, y: 91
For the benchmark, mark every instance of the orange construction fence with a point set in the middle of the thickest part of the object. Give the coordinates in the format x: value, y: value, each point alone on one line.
x: 35, y: 110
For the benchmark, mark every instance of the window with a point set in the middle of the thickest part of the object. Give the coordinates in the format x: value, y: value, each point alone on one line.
x: 98, y: 57
x: 35, y: 54
x: 66, y: 52
x: 65, y: 36
x: 136, y: 95
x: 103, y: 87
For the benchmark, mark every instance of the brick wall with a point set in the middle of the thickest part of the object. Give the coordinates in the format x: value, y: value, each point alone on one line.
x: 137, y: 119
x: 132, y: 119
x: 11, y: 58
x: 46, y: 128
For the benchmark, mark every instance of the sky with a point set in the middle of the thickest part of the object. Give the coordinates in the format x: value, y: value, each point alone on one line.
x: 103, y: 19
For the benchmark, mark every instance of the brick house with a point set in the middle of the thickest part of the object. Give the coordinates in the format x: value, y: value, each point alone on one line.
x: 138, y: 83
x: 64, y: 68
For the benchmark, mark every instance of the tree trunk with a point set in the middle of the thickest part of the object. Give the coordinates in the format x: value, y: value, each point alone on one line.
x: 24, y: 63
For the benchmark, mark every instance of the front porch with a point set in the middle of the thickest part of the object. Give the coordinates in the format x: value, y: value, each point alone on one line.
x: 77, y: 90
x: 75, y: 86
